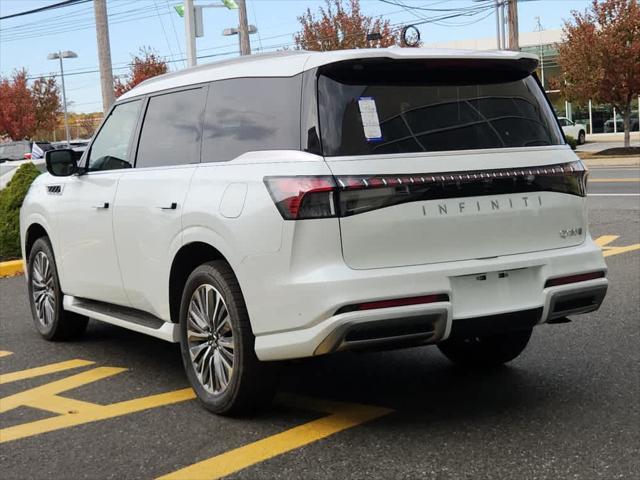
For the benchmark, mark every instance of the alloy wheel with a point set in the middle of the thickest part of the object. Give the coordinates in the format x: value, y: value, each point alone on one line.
x: 42, y: 288
x: 210, y: 339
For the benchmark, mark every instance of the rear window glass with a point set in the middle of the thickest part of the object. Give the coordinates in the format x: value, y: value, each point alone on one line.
x: 251, y: 114
x: 172, y: 129
x: 381, y: 115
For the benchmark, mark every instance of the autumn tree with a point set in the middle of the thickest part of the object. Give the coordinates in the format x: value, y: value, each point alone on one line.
x: 87, y: 126
x: 145, y: 65
x: 46, y: 100
x: 17, y: 116
x: 600, y: 59
x: 26, y: 110
x: 338, y: 27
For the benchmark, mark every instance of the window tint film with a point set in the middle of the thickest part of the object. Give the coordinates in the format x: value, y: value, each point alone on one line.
x: 172, y: 129
x: 250, y: 114
x: 382, y: 114
x: 110, y: 149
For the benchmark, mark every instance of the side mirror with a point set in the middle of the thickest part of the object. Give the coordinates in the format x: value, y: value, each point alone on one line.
x: 61, y: 163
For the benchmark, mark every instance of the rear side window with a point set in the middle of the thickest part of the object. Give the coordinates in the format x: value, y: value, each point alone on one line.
x: 172, y: 129
x: 382, y: 114
x: 251, y: 114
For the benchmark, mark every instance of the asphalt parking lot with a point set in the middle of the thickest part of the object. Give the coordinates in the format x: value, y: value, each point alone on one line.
x: 115, y: 404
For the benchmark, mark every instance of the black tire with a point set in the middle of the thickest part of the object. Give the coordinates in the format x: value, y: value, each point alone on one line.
x: 486, y: 351
x: 251, y: 383
x: 49, y: 318
x: 581, y: 137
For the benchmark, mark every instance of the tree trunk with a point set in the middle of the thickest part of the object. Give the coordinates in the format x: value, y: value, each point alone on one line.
x: 626, y: 122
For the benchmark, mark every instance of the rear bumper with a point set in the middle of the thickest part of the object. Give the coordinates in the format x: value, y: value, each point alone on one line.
x: 416, y: 325
x: 312, y: 327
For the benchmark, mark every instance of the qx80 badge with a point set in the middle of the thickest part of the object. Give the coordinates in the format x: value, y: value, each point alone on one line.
x: 571, y: 232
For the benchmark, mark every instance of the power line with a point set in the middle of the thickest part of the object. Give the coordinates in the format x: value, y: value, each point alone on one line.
x: 175, y: 32
x: 66, y: 3
x: 397, y: 27
x: 429, y: 9
x: 164, y: 32
x: 83, y: 24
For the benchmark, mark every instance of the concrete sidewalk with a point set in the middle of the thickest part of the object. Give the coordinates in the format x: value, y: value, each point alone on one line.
x: 628, y: 161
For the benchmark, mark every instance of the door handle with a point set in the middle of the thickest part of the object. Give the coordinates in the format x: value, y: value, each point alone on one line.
x: 104, y: 206
x: 173, y: 206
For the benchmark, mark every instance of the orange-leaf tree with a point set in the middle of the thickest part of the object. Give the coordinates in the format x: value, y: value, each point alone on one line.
x: 145, y: 65
x: 337, y: 27
x: 24, y: 109
x: 600, y: 59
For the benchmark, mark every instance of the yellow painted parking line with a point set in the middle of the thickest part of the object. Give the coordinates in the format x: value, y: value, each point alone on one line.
x: 614, y: 180
x: 608, y: 250
x: 43, y: 370
x: 38, y: 395
x: 606, y: 240
x: 87, y: 413
x: 341, y: 417
x: 5, y: 353
x: 63, y: 405
x: 12, y: 267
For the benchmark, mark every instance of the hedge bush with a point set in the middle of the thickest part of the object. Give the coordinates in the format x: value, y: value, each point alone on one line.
x: 573, y: 143
x: 11, y: 198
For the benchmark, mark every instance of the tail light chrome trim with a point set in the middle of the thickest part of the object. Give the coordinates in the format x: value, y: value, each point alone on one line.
x: 303, y: 197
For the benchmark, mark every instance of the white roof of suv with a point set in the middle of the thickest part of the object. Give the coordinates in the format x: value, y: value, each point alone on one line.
x: 290, y: 63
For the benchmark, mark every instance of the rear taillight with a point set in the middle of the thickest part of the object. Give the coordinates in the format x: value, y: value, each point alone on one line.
x: 302, y: 197
x: 299, y: 198
x: 582, y: 277
x: 362, y: 193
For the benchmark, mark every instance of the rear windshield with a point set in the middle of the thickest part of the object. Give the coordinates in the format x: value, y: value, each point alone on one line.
x: 385, y: 111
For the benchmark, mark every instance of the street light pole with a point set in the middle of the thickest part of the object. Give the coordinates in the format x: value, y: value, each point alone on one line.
x: 60, y: 56
x: 64, y: 103
x: 236, y: 31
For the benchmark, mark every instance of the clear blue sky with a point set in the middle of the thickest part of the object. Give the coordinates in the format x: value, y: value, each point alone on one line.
x: 26, y: 41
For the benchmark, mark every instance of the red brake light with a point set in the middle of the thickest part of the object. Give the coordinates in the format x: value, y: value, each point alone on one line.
x: 583, y: 277
x: 303, y: 197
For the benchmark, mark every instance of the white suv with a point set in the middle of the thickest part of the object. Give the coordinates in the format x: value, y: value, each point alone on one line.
x: 288, y: 205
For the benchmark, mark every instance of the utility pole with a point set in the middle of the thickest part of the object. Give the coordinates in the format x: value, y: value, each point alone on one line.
x: 243, y: 28
x: 104, y: 54
x: 190, y: 32
x: 513, y: 25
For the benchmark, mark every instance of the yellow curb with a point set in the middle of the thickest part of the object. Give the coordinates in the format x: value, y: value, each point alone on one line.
x: 10, y: 268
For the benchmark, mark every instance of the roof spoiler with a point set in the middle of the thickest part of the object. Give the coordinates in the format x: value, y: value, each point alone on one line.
x: 450, y: 71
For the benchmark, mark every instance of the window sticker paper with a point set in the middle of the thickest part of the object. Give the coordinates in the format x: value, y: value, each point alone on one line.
x: 370, y: 121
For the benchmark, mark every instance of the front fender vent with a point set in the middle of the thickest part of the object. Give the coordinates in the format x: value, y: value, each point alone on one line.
x: 54, y: 189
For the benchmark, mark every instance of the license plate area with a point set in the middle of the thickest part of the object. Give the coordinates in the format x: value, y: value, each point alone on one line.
x: 496, y: 292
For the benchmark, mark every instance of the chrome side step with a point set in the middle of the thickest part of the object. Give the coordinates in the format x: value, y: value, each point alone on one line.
x: 125, y: 317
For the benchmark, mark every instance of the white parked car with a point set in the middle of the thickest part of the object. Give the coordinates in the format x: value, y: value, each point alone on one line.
x: 295, y: 204
x: 575, y: 130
